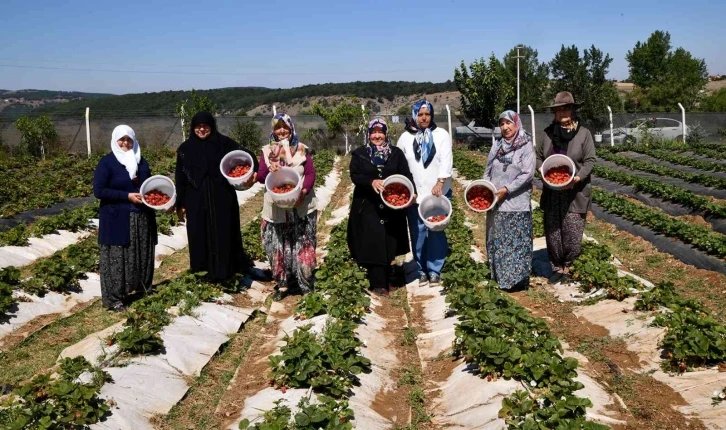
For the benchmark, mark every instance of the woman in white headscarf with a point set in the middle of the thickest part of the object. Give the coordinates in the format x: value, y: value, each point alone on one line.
x: 127, y: 228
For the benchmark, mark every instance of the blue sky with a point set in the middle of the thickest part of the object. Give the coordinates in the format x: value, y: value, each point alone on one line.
x: 133, y: 46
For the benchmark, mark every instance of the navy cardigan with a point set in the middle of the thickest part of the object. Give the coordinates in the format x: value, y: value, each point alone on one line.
x: 112, y: 185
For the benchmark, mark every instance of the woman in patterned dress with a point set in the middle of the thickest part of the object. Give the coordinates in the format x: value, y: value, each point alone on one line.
x: 127, y: 229
x: 289, y: 235
x: 510, y: 167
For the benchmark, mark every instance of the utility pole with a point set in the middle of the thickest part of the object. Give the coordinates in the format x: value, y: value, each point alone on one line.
x: 518, y: 57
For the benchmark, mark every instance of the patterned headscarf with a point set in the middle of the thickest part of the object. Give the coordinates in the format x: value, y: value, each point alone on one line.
x: 423, y: 145
x: 379, y: 154
x: 506, y: 146
x: 276, y: 146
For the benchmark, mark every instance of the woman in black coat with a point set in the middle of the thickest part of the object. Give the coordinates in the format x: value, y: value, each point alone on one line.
x: 208, y: 202
x: 376, y: 233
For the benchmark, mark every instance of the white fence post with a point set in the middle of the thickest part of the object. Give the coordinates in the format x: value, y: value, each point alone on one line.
x: 88, y: 131
x: 531, y: 113
x: 448, y: 112
x: 612, y: 138
x: 683, y: 117
x: 274, y: 110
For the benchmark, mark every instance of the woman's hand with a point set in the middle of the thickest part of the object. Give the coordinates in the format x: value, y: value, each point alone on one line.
x: 502, y: 193
x: 300, y: 199
x: 377, y: 185
x: 135, y: 198
x: 436, y: 190
x: 572, y: 183
x: 251, y: 181
x: 274, y: 166
x: 181, y: 213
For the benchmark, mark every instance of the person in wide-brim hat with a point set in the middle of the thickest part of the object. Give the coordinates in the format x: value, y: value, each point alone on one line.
x: 565, y: 210
x: 564, y: 98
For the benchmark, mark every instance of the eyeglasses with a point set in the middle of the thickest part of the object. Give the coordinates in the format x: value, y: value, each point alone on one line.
x: 201, y: 126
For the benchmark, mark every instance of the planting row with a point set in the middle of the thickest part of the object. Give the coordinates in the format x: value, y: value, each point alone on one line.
x: 326, y: 361
x: 664, y: 191
x: 702, y: 179
x: 466, y: 166
x: 40, y: 184
x: 699, y: 236
x: 671, y: 157
x: 500, y: 339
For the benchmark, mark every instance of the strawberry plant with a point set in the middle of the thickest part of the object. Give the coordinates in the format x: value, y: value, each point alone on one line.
x: 323, y: 161
x: 148, y: 316
x: 646, y: 166
x: 252, y: 241
x: 499, y: 338
x: 9, y: 279
x: 311, y: 305
x: 327, y: 363
x: 60, y: 403
x: 537, y: 222
x: 664, y: 191
x: 467, y: 167
x: 16, y: 236
x: 165, y: 221
x: 594, y: 271
x: 326, y: 413
x: 699, y: 236
x: 56, y: 274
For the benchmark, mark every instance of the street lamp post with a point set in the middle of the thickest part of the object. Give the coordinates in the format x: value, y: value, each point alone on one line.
x: 518, y: 57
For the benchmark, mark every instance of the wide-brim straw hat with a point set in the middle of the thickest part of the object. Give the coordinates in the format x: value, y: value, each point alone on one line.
x: 564, y: 98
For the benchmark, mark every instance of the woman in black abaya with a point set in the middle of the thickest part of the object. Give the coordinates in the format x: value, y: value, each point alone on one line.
x: 208, y: 202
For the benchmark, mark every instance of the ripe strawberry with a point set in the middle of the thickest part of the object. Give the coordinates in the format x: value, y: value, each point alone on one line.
x: 396, y: 194
x: 436, y: 218
x: 239, y: 170
x: 282, y: 189
x: 558, y: 175
x: 156, y: 198
x: 480, y: 197
x: 283, y: 389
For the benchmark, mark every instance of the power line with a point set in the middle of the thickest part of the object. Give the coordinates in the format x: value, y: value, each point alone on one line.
x: 159, y: 72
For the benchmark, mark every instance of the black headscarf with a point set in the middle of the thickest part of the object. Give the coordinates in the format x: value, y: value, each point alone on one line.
x: 561, y: 136
x: 201, y: 157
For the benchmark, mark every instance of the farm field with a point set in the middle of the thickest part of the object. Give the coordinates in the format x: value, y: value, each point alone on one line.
x: 635, y: 340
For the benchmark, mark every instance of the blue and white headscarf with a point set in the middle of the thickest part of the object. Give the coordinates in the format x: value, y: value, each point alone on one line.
x: 423, y: 145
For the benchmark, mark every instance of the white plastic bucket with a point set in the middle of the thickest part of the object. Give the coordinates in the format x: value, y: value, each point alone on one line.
x: 233, y: 159
x: 284, y: 176
x: 598, y: 138
x: 163, y: 184
x: 481, y: 183
x: 433, y: 206
x: 557, y: 160
x: 398, y: 179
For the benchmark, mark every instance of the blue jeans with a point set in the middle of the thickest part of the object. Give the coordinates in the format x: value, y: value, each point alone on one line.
x: 429, y: 247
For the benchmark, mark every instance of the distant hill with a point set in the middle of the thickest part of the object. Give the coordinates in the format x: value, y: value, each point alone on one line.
x: 246, y: 100
x: 14, y: 103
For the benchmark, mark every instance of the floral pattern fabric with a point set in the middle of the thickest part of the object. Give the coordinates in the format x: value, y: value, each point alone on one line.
x: 563, y: 231
x: 290, y: 248
x: 509, y: 248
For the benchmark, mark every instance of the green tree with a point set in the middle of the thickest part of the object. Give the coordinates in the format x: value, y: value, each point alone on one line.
x: 344, y: 118
x: 248, y: 134
x: 37, y: 134
x: 715, y: 102
x: 586, y: 78
x: 188, y: 108
x: 484, y: 90
x: 534, y: 77
x: 665, y: 77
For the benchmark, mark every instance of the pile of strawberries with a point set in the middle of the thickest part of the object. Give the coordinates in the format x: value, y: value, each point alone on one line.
x: 396, y: 194
x: 436, y: 218
x: 282, y: 189
x: 558, y: 175
x: 480, y: 197
x: 156, y: 198
x: 239, y: 170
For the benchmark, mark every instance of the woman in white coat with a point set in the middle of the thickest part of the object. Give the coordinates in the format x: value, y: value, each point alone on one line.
x: 428, y: 152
